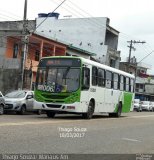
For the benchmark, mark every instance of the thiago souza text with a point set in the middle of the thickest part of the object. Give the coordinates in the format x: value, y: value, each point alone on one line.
x: 74, y: 132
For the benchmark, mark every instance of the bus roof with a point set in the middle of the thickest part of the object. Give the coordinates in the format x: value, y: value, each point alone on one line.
x: 107, y: 67
x: 97, y: 64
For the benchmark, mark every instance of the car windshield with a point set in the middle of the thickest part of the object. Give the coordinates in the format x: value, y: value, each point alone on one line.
x: 58, y: 79
x: 16, y: 94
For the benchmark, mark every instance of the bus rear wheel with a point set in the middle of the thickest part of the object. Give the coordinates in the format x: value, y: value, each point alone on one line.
x: 118, y: 113
x: 90, y: 111
x: 50, y: 114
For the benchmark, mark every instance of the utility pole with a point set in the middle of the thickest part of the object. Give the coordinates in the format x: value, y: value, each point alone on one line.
x: 130, y: 50
x: 24, y: 44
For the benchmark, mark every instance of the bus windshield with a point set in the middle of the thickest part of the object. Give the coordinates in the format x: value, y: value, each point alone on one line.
x: 58, y: 79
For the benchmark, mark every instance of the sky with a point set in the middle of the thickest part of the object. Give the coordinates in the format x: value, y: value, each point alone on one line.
x: 132, y: 18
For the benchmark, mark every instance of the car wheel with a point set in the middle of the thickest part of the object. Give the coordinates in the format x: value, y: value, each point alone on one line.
x: 1, y: 109
x: 39, y: 112
x: 22, y: 110
x: 50, y: 114
x: 90, y: 111
x: 149, y: 110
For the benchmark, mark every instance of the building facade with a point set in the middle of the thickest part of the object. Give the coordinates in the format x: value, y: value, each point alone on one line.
x: 38, y: 46
x: 144, y: 83
x: 91, y: 34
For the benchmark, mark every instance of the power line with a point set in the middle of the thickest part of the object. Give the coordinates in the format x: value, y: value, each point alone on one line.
x: 146, y: 56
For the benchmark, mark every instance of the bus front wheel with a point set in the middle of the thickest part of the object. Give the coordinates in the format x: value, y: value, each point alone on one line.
x: 90, y: 111
x: 50, y: 114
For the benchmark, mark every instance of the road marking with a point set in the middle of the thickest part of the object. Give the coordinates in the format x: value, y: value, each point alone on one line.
x: 132, y: 140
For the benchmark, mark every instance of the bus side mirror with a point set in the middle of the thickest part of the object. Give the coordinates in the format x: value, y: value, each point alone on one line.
x: 85, y: 78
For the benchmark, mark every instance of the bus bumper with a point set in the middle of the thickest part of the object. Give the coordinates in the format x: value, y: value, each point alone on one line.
x: 73, y: 108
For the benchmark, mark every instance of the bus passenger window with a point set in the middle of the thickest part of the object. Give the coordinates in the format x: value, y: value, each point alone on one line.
x: 94, y: 76
x: 121, y: 82
x: 127, y: 84
x: 132, y: 85
x: 101, y: 77
x: 85, y: 78
x: 115, y: 81
x: 108, y: 82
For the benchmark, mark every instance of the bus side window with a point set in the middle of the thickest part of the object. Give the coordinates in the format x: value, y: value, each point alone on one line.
x: 108, y: 82
x: 94, y: 76
x: 121, y: 82
x: 101, y: 77
x: 85, y: 78
x: 127, y: 84
x: 115, y: 81
x: 131, y: 85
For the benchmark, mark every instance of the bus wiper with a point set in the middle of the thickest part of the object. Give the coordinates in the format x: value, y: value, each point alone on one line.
x: 66, y: 72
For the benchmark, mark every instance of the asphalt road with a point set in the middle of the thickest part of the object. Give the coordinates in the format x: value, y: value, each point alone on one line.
x: 133, y: 133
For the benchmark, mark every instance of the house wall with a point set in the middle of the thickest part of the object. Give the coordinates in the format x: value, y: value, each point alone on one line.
x: 149, y: 88
x: 16, y: 25
x: 111, y: 40
x: 8, y: 79
x: 85, y: 33
x: 3, y: 47
x: 10, y: 47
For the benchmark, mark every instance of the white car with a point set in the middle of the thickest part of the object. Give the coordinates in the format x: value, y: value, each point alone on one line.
x: 2, y: 103
x: 137, y: 105
x: 19, y: 101
x: 152, y: 105
x: 146, y: 105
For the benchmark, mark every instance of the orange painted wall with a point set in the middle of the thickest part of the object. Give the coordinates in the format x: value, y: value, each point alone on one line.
x: 60, y: 50
x: 9, y: 48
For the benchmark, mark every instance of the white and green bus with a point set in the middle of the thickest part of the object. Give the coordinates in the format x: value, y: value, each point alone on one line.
x: 81, y: 86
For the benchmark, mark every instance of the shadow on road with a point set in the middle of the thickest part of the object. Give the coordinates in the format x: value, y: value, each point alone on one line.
x: 76, y: 117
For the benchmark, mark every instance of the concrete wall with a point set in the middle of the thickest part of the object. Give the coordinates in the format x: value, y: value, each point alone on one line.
x: 111, y: 40
x: 16, y: 25
x: 85, y: 33
x: 76, y: 53
x: 149, y: 88
x: 3, y: 44
x: 9, y: 74
x: 8, y: 79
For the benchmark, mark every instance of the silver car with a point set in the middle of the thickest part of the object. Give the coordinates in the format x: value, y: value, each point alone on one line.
x: 19, y: 101
x: 146, y: 105
x: 152, y: 105
x: 137, y: 105
x: 2, y: 103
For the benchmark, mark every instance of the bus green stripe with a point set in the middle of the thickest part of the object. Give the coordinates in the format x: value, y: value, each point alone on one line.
x: 126, y: 103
